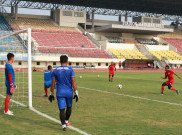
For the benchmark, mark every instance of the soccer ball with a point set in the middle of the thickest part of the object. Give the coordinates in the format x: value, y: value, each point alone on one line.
x: 80, y: 76
x: 119, y: 86
x: 98, y: 76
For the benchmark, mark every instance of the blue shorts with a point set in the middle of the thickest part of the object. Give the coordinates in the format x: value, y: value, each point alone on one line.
x: 64, y: 102
x: 47, y: 84
x: 8, y: 90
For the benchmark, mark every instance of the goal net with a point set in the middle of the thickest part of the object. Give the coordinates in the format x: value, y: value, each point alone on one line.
x: 18, y: 43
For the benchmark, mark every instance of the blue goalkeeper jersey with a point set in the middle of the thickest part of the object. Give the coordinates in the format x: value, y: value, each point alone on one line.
x: 9, y: 70
x: 63, y: 75
x: 48, y: 75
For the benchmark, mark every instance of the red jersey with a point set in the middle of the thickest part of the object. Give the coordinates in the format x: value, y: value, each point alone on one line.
x: 120, y: 63
x: 111, y: 68
x: 169, y: 74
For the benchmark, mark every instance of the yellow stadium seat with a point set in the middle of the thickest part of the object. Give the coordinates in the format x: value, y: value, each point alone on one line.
x: 166, y: 55
x: 127, y: 54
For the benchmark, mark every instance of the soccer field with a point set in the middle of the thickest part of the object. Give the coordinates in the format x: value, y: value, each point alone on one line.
x: 135, y: 109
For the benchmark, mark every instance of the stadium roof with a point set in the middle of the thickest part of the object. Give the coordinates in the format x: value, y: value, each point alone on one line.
x: 116, y: 28
x: 170, y: 10
x: 169, y: 7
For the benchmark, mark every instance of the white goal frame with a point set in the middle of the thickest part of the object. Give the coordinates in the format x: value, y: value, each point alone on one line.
x: 29, y: 48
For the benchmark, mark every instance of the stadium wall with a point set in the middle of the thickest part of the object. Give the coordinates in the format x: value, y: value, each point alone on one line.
x: 121, y: 46
x: 41, y: 62
x: 97, y: 63
x: 69, y: 18
x: 101, y: 22
x: 158, y: 47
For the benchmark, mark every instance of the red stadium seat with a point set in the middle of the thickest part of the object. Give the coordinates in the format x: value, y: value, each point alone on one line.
x: 72, y: 43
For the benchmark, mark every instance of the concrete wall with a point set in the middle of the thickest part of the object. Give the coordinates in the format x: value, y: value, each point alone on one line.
x: 56, y: 16
x: 121, y: 46
x: 157, y: 47
x: 44, y: 62
x: 62, y: 19
x: 102, y: 35
x: 143, y: 36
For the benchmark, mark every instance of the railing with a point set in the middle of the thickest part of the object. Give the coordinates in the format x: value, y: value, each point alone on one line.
x: 93, y: 40
x: 81, y: 29
x: 89, y: 36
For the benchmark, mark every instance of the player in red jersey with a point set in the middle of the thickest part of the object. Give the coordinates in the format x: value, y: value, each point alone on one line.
x: 112, y: 68
x: 169, y: 74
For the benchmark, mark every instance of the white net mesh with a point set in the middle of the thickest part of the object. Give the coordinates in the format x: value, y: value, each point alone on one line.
x: 14, y: 42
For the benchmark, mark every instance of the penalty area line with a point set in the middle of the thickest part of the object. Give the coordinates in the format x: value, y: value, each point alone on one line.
x: 136, y: 97
x: 57, y: 121
x: 47, y: 116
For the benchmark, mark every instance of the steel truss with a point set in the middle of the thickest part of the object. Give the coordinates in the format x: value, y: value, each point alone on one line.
x: 89, y: 10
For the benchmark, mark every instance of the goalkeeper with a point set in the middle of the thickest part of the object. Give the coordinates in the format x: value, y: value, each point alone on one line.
x: 10, y: 82
x: 47, y: 79
x: 65, y: 78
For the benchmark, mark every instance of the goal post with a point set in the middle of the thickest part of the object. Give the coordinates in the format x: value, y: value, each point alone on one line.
x: 29, y: 68
x: 19, y: 43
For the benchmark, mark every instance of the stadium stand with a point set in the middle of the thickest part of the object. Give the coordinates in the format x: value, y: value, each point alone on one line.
x: 176, y: 34
x: 12, y: 43
x: 127, y: 54
x: 38, y: 25
x: 51, y: 38
x: 167, y: 55
x: 47, y: 38
x: 4, y: 25
x: 176, y: 42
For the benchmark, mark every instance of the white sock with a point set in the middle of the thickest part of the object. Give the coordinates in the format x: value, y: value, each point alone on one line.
x: 64, y: 126
x: 66, y: 121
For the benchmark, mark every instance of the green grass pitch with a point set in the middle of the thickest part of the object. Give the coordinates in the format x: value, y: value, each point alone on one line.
x: 101, y: 113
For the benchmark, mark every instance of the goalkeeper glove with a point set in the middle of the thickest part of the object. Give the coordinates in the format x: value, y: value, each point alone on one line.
x: 51, y: 97
x: 12, y: 88
x: 76, y: 96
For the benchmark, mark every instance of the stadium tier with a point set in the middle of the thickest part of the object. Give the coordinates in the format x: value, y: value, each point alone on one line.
x: 51, y: 38
x: 47, y: 38
x: 4, y: 25
x: 176, y: 34
x: 127, y: 54
x: 11, y: 43
x: 41, y: 25
x: 77, y: 52
x: 175, y: 42
x: 167, y: 55
x: 75, y: 45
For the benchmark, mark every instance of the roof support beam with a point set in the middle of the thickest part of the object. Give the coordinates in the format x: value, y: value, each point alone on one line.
x: 100, y: 11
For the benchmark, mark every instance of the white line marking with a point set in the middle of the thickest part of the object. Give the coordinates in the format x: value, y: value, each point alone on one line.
x: 57, y: 121
x: 136, y: 97
x: 47, y: 116
x: 23, y: 105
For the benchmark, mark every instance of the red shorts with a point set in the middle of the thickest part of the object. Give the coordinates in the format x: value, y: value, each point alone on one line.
x: 169, y: 82
x: 111, y: 72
